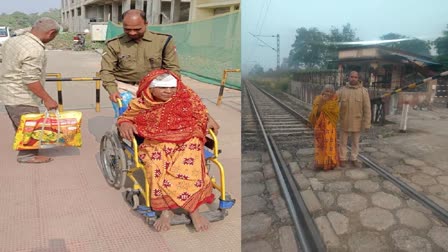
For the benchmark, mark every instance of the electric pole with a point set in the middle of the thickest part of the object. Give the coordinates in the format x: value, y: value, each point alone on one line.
x: 278, y: 52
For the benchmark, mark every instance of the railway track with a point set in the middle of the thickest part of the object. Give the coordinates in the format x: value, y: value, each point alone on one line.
x: 284, y: 130
x: 280, y: 127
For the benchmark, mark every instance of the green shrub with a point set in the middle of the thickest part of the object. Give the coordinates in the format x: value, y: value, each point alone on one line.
x: 64, y: 41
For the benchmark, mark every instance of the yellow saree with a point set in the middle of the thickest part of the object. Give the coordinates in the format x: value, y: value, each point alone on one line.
x: 324, y: 123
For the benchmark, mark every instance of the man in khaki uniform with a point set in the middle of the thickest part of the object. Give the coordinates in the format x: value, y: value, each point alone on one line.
x: 129, y: 57
x: 354, y: 116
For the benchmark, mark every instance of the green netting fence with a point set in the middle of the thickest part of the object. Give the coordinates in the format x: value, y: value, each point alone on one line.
x: 205, y: 48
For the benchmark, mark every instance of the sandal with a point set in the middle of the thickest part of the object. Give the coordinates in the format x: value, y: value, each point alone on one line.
x: 34, y: 159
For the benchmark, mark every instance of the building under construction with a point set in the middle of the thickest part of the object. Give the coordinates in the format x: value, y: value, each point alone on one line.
x: 77, y: 15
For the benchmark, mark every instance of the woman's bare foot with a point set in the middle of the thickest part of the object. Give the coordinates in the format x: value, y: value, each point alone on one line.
x: 163, y: 223
x: 200, y: 222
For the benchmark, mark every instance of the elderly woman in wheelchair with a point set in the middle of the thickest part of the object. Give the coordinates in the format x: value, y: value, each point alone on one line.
x: 172, y: 120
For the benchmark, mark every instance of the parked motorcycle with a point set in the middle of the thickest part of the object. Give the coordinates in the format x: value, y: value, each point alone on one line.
x: 79, y: 42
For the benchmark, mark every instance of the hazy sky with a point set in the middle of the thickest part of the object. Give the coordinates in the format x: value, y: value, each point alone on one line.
x: 28, y: 6
x: 370, y: 19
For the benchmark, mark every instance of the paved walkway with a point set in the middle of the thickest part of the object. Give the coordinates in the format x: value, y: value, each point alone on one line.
x: 66, y: 205
x: 356, y: 209
x: 418, y: 156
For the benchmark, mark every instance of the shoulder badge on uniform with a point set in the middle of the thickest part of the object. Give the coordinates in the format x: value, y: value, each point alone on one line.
x: 163, y: 34
x: 166, y: 43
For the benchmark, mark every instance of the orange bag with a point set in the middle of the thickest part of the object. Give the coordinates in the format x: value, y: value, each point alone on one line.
x: 47, y: 130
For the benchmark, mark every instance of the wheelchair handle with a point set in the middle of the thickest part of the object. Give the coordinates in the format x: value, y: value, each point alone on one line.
x: 215, y: 142
x: 135, y: 147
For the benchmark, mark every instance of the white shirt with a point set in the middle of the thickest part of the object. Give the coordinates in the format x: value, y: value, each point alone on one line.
x: 24, y: 62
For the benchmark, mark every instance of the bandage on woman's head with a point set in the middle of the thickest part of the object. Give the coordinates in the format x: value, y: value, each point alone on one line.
x: 159, y: 74
x: 164, y: 80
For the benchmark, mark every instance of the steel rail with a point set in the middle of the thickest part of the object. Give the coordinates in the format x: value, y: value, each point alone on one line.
x: 405, y: 188
x: 306, y: 231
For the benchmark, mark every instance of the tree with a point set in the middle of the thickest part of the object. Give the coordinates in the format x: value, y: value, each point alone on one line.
x: 52, y: 13
x: 18, y: 20
x: 256, y: 70
x: 346, y: 35
x: 441, y: 44
x: 308, y: 50
x: 416, y: 46
x: 313, y: 48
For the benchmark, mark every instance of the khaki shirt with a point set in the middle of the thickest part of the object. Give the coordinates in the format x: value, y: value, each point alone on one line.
x: 128, y: 61
x: 354, y: 112
x: 24, y: 62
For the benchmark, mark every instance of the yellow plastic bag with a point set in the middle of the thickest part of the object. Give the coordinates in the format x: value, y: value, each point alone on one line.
x: 47, y: 130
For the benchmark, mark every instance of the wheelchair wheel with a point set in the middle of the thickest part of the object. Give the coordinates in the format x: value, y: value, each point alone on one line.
x: 113, y: 160
x: 132, y: 197
x: 150, y: 220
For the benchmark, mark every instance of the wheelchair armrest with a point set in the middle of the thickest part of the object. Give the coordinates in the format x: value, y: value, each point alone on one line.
x: 209, y: 143
x: 139, y: 139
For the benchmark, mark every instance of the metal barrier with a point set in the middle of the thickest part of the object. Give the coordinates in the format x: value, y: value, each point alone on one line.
x: 378, y: 111
x: 223, y: 82
x: 59, y: 88
x: 59, y: 81
x: 379, y: 115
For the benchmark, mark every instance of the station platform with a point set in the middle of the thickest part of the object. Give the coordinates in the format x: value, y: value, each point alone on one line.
x: 66, y: 205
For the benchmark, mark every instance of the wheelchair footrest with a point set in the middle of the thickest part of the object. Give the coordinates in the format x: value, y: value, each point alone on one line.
x: 212, y: 216
x: 145, y: 211
x: 226, y: 204
x: 215, y: 215
x: 182, y: 219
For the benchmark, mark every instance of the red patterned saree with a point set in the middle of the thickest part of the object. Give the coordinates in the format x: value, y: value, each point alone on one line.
x: 174, y: 133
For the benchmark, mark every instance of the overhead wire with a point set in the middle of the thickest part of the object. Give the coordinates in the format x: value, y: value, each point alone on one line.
x: 250, y: 53
x: 260, y: 15
x: 264, y: 18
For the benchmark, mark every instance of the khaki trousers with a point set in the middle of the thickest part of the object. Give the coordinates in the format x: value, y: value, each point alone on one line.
x: 354, y: 144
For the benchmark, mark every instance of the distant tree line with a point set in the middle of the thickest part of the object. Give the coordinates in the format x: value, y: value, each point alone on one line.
x: 314, y: 49
x: 19, y: 20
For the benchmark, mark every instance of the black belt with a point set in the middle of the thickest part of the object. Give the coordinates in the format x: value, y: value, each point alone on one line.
x: 130, y: 82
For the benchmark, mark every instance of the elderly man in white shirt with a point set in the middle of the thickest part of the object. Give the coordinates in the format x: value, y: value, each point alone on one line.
x: 22, y: 77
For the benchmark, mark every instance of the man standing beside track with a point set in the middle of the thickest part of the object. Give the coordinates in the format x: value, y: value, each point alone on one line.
x: 354, y: 116
x: 130, y: 56
x: 22, y: 76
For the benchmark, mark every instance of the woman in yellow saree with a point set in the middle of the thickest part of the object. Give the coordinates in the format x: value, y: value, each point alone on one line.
x: 323, y: 118
x: 173, y: 121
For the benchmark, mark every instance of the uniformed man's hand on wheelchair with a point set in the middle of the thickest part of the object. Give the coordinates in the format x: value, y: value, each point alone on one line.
x: 114, y: 96
x: 127, y: 130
